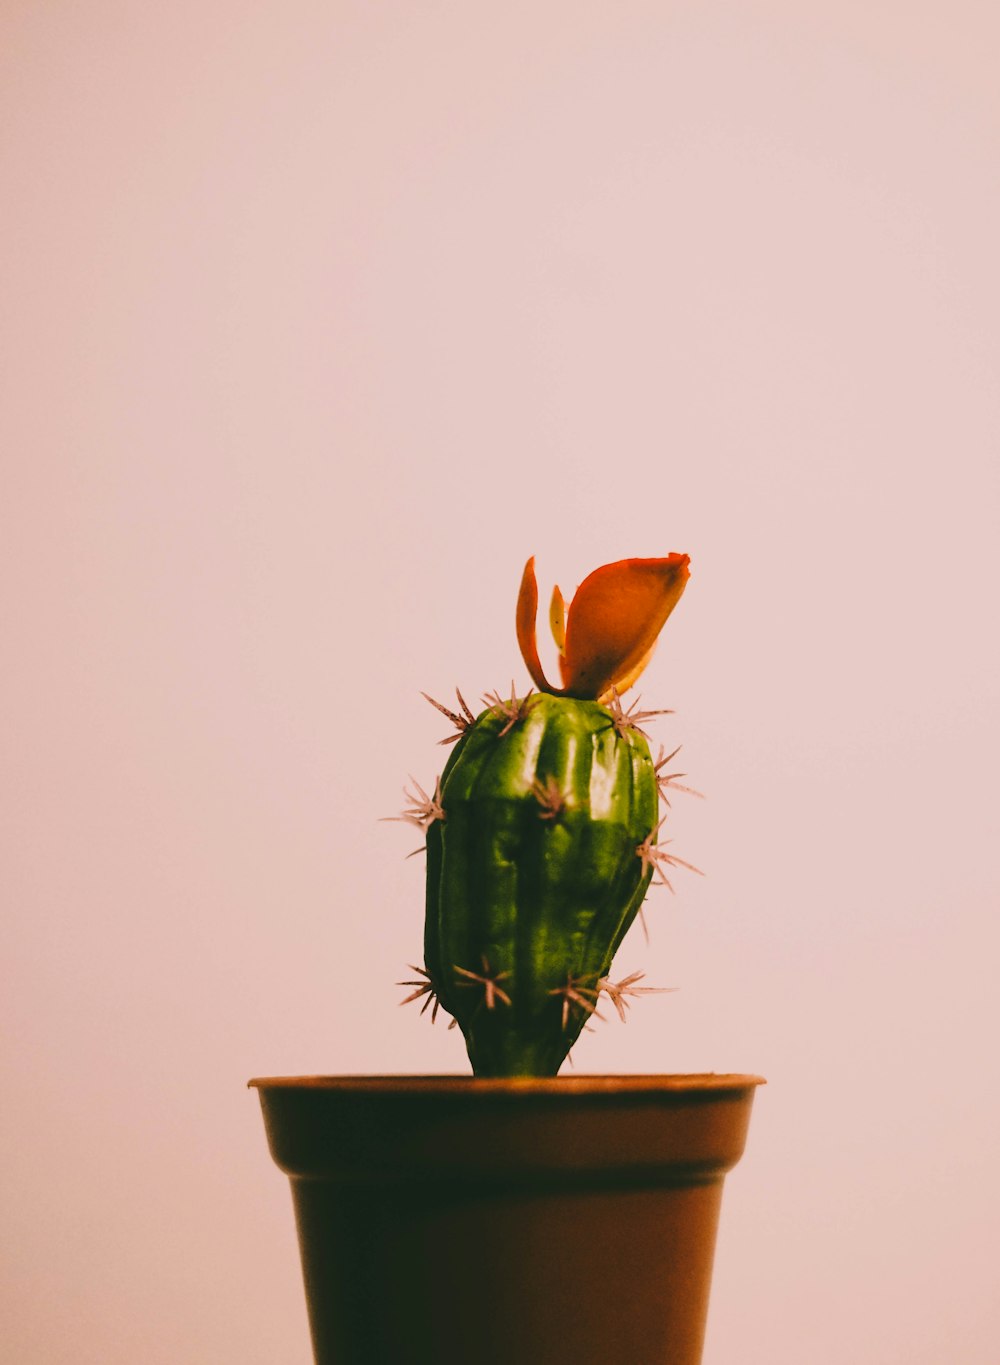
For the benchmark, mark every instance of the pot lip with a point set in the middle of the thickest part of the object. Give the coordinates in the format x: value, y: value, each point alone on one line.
x: 460, y: 1084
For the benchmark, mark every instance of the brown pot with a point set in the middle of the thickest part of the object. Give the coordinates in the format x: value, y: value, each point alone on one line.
x: 456, y: 1221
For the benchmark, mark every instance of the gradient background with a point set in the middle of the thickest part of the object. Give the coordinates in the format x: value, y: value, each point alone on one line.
x: 317, y: 320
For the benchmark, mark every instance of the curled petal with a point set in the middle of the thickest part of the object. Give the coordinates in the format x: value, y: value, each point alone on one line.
x: 614, y: 620
x: 527, y: 612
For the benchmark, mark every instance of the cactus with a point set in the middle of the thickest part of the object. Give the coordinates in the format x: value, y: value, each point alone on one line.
x: 542, y: 834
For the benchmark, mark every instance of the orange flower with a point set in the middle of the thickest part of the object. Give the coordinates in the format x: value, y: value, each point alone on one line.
x: 608, y: 634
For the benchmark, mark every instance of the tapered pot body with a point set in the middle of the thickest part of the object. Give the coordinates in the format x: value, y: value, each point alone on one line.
x: 545, y: 1222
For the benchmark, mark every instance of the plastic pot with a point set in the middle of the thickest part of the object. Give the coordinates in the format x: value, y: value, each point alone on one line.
x: 460, y: 1221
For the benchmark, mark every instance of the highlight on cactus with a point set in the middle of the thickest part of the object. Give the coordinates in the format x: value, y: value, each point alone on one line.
x: 544, y: 830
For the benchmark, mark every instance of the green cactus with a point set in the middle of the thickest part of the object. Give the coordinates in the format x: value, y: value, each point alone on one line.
x: 533, y: 875
x: 542, y: 833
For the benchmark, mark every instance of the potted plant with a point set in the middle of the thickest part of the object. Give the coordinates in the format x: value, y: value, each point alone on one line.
x: 517, y: 1215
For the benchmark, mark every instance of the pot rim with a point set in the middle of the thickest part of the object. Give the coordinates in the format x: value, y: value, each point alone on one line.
x: 448, y: 1084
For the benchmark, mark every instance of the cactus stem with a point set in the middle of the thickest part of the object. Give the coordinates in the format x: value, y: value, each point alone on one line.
x: 424, y: 987
x: 669, y: 780
x: 550, y: 798
x: 461, y: 722
x: 423, y: 810
x: 575, y: 993
x: 619, y: 992
x: 655, y: 856
x: 515, y: 709
x: 624, y: 720
x: 492, y: 992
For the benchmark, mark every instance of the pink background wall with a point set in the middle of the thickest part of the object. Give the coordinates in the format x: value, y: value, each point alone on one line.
x: 317, y: 320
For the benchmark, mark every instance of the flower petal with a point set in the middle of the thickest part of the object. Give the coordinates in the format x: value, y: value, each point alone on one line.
x: 527, y: 612
x: 622, y: 683
x: 614, y: 620
x: 557, y: 618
